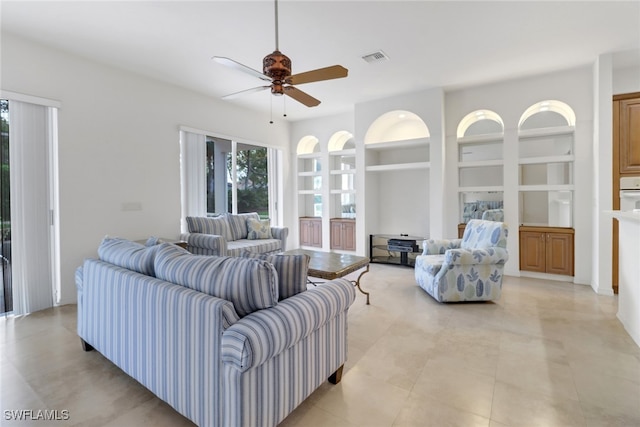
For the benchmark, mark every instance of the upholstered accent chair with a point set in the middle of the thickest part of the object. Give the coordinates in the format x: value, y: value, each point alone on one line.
x: 467, y: 269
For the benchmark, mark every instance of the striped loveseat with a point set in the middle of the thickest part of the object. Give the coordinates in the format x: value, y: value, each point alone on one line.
x: 233, y: 234
x: 245, y: 357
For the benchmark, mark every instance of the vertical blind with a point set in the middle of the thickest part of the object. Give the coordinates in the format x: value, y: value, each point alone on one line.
x: 31, y: 131
x: 193, y: 176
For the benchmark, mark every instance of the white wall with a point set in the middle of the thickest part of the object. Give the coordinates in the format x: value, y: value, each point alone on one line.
x: 119, y: 143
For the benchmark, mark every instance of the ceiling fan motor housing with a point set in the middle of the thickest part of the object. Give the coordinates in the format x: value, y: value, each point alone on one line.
x: 277, y: 66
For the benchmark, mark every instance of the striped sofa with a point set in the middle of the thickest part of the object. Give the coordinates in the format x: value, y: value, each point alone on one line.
x: 247, y: 359
x: 230, y: 235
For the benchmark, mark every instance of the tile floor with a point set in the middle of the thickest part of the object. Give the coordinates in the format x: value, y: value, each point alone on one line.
x: 547, y: 354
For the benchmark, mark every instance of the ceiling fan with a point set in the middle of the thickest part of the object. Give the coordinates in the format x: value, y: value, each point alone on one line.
x: 277, y: 70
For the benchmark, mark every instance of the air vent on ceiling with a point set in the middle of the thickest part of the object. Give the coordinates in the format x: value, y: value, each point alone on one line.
x: 378, y: 56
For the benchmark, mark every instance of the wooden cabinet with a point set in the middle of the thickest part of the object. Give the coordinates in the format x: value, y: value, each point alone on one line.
x: 311, y: 232
x: 627, y: 126
x: 547, y: 250
x: 343, y: 234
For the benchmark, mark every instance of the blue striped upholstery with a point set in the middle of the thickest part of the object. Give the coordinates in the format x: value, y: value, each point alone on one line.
x: 266, y: 394
x: 238, y: 224
x: 165, y: 336
x: 291, y: 269
x: 173, y: 339
x: 205, y: 244
x: 250, y: 284
x: 218, y: 225
x: 244, y: 345
x: 216, y: 236
x: 265, y: 246
x: 125, y: 253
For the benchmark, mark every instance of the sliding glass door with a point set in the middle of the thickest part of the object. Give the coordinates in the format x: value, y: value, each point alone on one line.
x: 237, y: 177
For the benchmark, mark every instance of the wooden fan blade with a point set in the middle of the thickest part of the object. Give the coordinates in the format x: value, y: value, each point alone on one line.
x: 242, y: 92
x: 238, y: 66
x: 301, y: 96
x: 327, y: 73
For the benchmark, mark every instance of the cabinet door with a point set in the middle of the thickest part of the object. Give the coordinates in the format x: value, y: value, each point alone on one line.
x: 559, y: 253
x: 305, y: 232
x: 532, y: 251
x: 336, y: 235
x: 349, y: 235
x: 316, y: 233
x: 629, y: 134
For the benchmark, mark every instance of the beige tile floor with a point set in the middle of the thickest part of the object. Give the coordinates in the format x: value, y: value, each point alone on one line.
x: 547, y: 354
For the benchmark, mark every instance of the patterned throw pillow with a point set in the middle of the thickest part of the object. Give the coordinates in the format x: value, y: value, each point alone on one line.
x: 291, y: 269
x: 258, y: 229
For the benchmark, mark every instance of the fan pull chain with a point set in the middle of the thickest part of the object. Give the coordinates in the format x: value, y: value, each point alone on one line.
x: 284, y: 105
x: 271, y: 110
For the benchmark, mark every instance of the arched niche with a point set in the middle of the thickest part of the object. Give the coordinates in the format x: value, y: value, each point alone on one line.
x: 480, y: 122
x: 341, y: 140
x: 396, y: 125
x: 549, y: 113
x: 307, y: 145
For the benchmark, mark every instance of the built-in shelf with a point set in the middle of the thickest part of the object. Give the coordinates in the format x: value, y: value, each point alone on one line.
x: 548, y: 131
x: 547, y: 187
x: 481, y: 163
x: 343, y: 191
x: 481, y: 189
x: 347, y: 152
x: 394, y: 145
x: 475, y: 139
x: 547, y: 159
x: 318, y: 191
x: 399, y: 166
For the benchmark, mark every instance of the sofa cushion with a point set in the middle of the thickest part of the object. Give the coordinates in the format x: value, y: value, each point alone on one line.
x: 258, y: 229
x: 291, y: 269
x: 238, y: 224
x: 250, y: 284
x: 262, y: 246
x: 127, y: 254
x: 218, y: 225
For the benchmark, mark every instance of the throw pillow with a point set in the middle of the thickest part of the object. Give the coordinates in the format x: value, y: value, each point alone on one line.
x: 238, y: 224
x: 250, y: 284
x: 291, y: 269
x: 127, y: 254
x: 258, y: 229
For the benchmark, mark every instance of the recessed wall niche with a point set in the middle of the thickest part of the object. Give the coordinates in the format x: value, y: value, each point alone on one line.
x: 546, y: 158
x: 480, y: 137
x: 342, y: 175
x: 397, y: 163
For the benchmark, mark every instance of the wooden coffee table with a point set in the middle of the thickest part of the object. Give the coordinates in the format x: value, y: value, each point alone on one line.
x: 330, y: 265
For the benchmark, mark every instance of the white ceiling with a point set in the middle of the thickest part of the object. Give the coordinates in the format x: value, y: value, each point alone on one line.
x: 449, y: 44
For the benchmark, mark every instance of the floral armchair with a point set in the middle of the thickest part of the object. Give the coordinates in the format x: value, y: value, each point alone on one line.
x: 467, y: 269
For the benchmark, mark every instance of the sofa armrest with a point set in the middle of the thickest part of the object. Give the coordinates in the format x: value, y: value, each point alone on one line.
x: 281, y: 233
x: 495, y: 255
x: 266, y: 333
x: 205, y: 244
x: 439, y: 246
